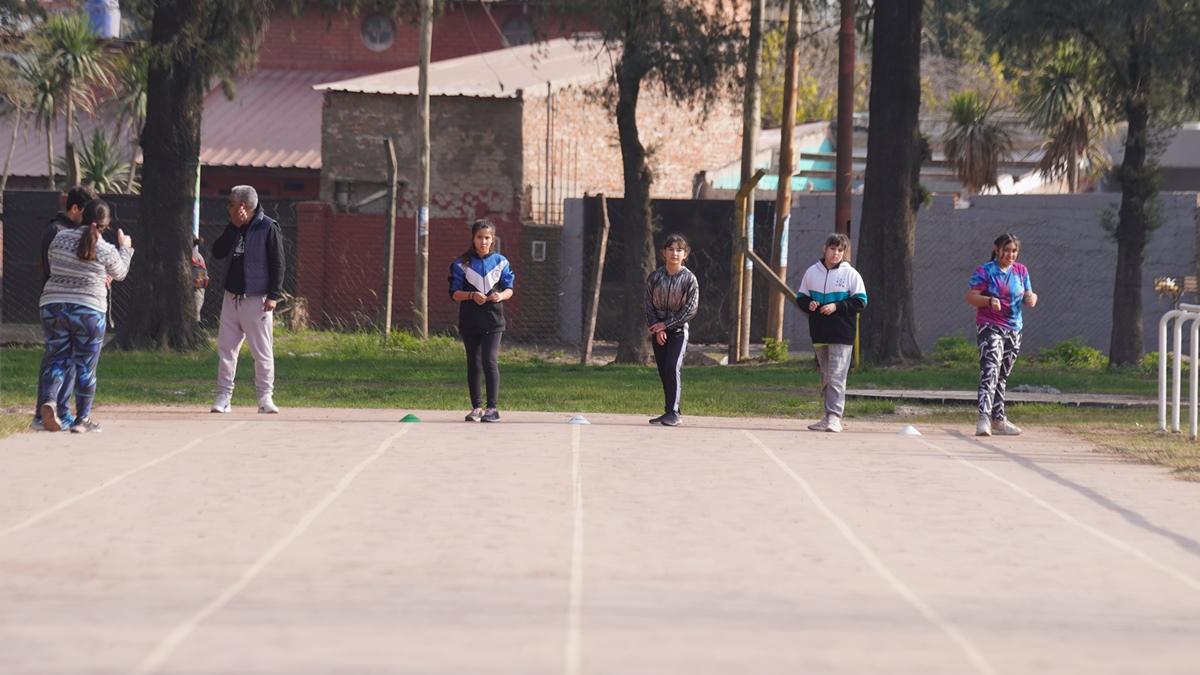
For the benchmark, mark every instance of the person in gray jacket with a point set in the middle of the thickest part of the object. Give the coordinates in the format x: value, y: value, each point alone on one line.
x: 253, y: 286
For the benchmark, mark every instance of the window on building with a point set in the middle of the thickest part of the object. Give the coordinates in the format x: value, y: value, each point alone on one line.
x: 378, y: 32
x: 518, y: 30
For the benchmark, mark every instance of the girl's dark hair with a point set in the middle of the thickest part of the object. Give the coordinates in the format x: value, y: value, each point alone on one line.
x: 481, y: 224
x: 96, y: 215
x: 837, y: 239
x: 673, y: 239
x: 1004, y: 240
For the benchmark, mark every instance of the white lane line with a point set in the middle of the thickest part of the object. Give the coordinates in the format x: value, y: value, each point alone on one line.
x: 39, y: 517
x: 876, y: 564
x: 1099, y: 534
x: 168, y: 644
x: 574, y: 613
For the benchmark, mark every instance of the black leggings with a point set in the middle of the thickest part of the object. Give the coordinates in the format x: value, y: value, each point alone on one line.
x: 483, y: 354
x: 669, y: 358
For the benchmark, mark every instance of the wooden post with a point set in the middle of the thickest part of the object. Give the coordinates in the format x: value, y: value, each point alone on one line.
x: 738, y: 268
x: 389, y: 241
x: 783, y: 196
x: 589, y: 320
x: 421, y: 284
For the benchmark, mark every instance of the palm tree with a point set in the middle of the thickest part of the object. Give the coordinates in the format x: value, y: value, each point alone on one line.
x: 130, y: 73
x: 71, y: 52
x: 43, y: 105
x: 17, y: 95
x: 99, y: 163
x: 1061, y: 104
x: 974, y: 143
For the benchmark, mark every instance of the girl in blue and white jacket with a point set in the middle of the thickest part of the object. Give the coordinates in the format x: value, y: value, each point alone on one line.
x: 480, y: 281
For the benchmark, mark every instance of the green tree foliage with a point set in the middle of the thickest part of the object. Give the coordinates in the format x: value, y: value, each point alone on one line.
x: 131, y: 71
x: 1148, y: 56
x: 99, y: 164
x: 974, y: 142
x: 1062, y: 102
x: 686, y: 47
x: 73, y: 57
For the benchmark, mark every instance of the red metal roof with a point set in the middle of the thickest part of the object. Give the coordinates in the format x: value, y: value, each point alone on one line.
x: 273, y: 122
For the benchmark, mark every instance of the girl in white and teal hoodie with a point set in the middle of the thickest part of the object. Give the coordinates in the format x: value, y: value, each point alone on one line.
x: 832, y: 294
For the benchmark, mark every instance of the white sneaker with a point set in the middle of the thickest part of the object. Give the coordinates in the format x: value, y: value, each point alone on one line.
x: 833, y: 424
x: 266, y: 406
x: 1005, y: 428
x: 984, y: 427
x: 222, y: 404
x: 820, y: 425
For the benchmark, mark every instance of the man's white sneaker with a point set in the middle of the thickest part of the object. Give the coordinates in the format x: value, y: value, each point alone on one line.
x: 1005, y: 428
x: 266, y: 406
x: 222, y: 404
x: 984, y: 427
x: 833, y: 424
x: 821, y: 425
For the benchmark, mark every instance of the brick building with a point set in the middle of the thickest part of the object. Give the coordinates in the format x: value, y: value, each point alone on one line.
x: 514, y: 132
x: 269, y: 135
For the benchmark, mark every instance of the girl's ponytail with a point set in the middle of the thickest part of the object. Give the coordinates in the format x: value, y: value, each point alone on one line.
x: 96, y: 215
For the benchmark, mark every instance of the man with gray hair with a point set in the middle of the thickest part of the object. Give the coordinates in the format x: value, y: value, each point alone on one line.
x: 253, y: 285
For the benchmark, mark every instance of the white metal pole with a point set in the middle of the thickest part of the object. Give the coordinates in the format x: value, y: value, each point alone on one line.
x: 1192, y: 393
x: 1163, y: 325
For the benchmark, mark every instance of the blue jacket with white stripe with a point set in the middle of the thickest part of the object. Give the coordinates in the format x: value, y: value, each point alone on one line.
x: 492, y: 273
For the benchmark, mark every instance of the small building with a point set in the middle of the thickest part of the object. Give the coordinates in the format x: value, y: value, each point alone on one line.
x: 514, y: 133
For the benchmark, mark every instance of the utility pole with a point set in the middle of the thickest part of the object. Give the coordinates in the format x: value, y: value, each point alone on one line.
x: 389, y: 239
x: 751, y: 124
x: 783, y: 197
x: 421, y: 287
x: 845, y: 120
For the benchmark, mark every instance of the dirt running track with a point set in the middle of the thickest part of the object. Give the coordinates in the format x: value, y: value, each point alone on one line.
x: 340, y: 541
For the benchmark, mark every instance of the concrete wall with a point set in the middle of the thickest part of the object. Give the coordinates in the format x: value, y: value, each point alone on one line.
x: 1071, y: 261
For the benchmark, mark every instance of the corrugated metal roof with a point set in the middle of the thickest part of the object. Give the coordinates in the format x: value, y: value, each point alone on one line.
x: 499, y: 74
x: 274, y: 122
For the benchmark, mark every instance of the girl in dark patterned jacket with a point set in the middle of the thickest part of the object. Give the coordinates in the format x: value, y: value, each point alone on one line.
x: 672, y: 296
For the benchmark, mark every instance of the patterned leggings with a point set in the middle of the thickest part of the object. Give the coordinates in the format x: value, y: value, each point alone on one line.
x: 74, y: 335
x: 998, y: 349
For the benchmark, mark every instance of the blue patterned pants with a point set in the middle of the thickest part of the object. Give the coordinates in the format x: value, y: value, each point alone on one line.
x: 74, y: 335
x: 998, y: 349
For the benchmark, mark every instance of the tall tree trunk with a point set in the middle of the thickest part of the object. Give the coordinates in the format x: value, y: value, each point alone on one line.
x: 889, y: 212
x: 1133, y: 229
x: 71, y: 154
x: 639, y: 241
x: 161, y: 275
x: 18, y: 115
x: 50, y: 154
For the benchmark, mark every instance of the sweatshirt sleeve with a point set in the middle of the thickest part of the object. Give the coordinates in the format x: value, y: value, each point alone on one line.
x: 857, y: 301
x: 276, y: 262
x: 457, y: 279
x: 115, y: 260
x: 648, y: 300
x: 224, y: 244
x: 803, y: 298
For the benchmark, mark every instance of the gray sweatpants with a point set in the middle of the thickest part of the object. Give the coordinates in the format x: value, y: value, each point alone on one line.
x: 243, y: 319
x: 834, y: 362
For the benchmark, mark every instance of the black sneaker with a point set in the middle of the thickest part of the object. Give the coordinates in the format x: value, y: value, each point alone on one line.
x: 490, y: 415
x: 658, y: 420
x: 670, y: 420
